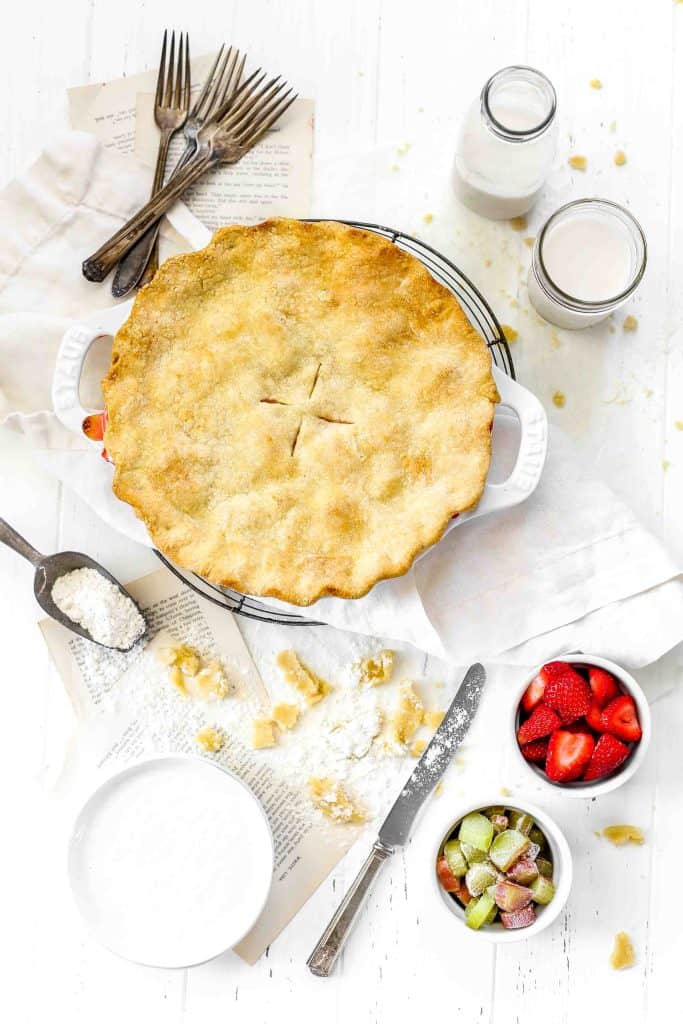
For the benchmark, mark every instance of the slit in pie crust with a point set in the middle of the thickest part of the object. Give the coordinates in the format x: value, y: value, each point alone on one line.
x: 298, y: 410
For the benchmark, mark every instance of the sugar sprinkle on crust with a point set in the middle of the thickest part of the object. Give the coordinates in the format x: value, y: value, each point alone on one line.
x: 298, y: 410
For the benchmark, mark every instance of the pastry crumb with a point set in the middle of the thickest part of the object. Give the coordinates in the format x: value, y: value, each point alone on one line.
x: 428, y: 218
x: 510, y: 333
x: 418, y: 748
x: 529, y: 241
x: 648, y: 392
x: 622, y: 954
x: 613, y: 127
x: 330, y: 798
x: 433, y: 719
x: 678, y: 424
x: 595, y: 83
x: 620, y: 158
x: 555, y: 342
x: 210, y: 739
x: 262, y: 733
x: 488, y: 263
x: 665, y: 465
x: 408, y: 716
x: 519, y: 223
x: 298, y: 675
x: 285, y: 715
x: 504, y: 791
x: 394, y: 167
x: 559, y: 399
x: 377, y: 668
x: 579, y: 163
x: 190, y: 677
x: 403, y: 149
x: 630, y: 323
x: 620, y: 834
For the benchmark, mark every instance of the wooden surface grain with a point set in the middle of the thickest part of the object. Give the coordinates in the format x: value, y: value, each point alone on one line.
x: 385, y: 73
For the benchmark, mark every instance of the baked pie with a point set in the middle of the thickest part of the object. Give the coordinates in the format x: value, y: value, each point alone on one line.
x: 298, y: 410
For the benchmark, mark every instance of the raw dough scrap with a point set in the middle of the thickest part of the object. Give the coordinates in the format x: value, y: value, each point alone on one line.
x: 262, y: 733
x: 329, y: 797
x: 622, y: 954
x: 210, y: 739
x: 377, y: 668
x: 620, y: 834
x: 285, y: 715
x: 408, y: 716
x: 298, y: 675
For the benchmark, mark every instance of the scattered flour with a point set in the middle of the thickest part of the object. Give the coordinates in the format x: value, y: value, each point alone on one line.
x: 87, y: 597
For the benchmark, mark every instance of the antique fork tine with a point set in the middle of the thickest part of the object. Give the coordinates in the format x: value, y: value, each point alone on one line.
x: 218, y: 144
x: 135, y: 270
x: 171, y: 106
x: 254, y: 132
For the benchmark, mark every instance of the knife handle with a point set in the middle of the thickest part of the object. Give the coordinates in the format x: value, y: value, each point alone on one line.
x: 323, y: 958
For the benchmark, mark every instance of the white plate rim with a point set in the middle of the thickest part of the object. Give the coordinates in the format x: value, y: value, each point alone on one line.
x: 112, y: 778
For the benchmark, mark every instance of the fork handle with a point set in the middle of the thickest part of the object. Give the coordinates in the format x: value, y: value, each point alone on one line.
x: 139, y: 265
x: 97, y: 266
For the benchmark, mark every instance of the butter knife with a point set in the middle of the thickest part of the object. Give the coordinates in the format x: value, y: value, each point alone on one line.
x: 399, y: 821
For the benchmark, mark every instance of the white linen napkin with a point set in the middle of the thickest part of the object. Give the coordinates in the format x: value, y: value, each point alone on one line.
x: 520, y: 585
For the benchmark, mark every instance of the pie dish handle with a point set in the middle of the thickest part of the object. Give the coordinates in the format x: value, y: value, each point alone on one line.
x: 533, y: 445
x: 66, y: 379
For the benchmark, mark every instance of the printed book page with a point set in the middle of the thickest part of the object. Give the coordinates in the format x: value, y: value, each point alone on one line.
x: 127, y: 708
x: 273, y: 179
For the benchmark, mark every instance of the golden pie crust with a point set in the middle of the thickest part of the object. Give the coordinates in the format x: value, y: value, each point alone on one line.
x: 298, y: 410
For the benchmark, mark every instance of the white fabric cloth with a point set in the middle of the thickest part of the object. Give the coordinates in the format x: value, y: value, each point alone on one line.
x: 569, y: 569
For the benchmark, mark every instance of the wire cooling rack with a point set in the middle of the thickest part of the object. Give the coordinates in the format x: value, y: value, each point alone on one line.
x: 482, y: 318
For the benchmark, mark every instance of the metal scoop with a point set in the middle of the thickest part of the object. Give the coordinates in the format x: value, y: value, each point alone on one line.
x: 49, y: 568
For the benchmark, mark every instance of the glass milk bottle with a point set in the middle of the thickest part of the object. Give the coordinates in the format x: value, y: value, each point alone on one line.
x: 588, y: 259
x: 507, y: 144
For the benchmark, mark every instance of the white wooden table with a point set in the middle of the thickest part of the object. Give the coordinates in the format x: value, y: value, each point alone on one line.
x: 382, y: 74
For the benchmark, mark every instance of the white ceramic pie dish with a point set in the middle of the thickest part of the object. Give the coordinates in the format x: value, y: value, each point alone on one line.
x: 170, y: 861
x: 515, y: 400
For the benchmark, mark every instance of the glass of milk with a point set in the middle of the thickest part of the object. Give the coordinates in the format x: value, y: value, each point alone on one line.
x: 588, y: 260
x: 507, y: 143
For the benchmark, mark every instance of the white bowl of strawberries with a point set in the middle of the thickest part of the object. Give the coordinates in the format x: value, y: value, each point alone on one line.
x: 582, y: 724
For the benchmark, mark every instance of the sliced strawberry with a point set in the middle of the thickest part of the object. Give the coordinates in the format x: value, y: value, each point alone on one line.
x: 448, y: 880
x: 533, y: 694
x: 568, y: 755
x: 540, y: 722
x: 609, y: 753
x: 603, y: 685
x: 594, y: 717
x: 621, y: 719
x: 565, y: 691
x: 535, y: 751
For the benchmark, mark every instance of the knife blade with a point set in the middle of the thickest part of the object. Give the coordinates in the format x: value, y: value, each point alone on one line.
x: 399, y: 821
x: 436, y: 758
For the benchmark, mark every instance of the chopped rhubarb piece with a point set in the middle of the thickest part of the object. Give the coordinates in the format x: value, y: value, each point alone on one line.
x: 455, y: 858
x: 518, y: 918
x: 476, y: 830
x: 524, y: 871
x: 448, y: 880
x: 507, y: 848
x: 480, y: 877
x: 542, y: 889
x: 479, y: 911
x: 509, y: 896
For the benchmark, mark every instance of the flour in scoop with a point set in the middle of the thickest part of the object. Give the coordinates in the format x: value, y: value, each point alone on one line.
x: 171, y: 862
x: 90, y: 599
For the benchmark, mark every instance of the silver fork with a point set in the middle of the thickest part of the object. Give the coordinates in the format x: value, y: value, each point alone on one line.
x: 171, y: 104
x: 234, y: 129
x: 137, y: 267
